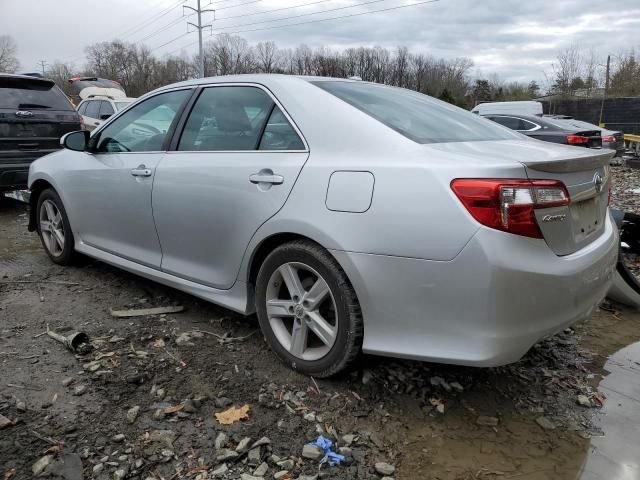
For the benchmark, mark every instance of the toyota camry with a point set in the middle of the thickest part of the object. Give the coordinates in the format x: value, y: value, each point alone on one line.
x: 350, y: 216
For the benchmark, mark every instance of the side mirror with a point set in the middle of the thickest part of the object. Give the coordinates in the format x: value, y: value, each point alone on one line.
x: 105, y: 116
x: 76, y: 141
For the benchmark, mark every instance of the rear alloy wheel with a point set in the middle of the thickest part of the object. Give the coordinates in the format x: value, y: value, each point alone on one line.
x: 307, y: 309
x: 53, y: 228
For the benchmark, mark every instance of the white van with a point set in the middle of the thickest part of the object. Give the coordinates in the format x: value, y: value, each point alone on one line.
x: 525, y: 107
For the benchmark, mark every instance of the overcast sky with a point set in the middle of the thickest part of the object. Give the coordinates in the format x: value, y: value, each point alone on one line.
x: 515, y: 39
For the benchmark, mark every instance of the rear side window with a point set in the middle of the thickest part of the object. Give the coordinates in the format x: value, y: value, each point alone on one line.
x: 82, y: 108
x: 227, y: 118
x: 514, y: 123
x: 279, y: 134
x: 237, y: 118
x: 106, y: 108
x: 31, y: 94
x: 93, y: 109
x: 418, y: 117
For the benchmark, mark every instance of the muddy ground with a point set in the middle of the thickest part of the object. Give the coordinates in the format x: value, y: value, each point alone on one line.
x: 536, y: 419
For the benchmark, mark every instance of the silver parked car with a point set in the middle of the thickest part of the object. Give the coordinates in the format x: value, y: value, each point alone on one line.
x: 352, y: 217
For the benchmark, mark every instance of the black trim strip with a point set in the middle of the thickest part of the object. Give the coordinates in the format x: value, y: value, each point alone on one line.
x: 264, y: 126
x: 170, y: 140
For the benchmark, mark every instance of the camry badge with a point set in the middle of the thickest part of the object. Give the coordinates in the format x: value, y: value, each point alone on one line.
x: 553, y: 218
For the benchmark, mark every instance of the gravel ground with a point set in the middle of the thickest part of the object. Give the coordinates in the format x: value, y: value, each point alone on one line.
x: 142, y: 403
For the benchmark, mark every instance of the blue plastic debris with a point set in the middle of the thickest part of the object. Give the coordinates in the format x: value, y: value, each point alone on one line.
x: 330, y: 456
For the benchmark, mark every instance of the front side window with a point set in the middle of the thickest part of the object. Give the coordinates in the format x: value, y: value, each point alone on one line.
x: 237, y: 118
x: 144, y: 127
x: 418, y: 117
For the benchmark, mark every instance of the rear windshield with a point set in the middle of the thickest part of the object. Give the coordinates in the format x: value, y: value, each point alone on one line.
x: 28, y: 94
x: 418, y: 117
x: 121, y: 105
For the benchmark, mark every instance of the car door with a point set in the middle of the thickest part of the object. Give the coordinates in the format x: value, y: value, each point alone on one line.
x: 109, y: 194
x: 233, y: 167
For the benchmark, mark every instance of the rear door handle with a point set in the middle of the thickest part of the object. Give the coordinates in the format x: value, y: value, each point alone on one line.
x: 141, y: 171
x: 266, y: 178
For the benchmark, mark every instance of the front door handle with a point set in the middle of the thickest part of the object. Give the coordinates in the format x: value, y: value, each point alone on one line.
x: 141, y: 171
x: 264, y: 177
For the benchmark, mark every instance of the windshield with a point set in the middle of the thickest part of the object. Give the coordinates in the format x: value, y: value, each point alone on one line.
x: 418, y: 117
x: 20, y: 93
x: 121, y: 105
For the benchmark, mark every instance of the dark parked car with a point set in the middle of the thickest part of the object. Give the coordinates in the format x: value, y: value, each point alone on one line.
x: 34, y: 114
x: 550, y: 129
x: 612, y: 139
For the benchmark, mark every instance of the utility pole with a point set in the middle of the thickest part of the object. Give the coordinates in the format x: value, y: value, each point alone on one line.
x: 43, y: 64
x: 200, y: 27
x: 606, y: 88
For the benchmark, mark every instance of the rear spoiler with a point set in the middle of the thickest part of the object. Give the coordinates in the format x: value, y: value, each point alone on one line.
x: 574, y: 164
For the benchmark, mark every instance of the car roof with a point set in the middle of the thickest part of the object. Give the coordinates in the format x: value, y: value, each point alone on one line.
x: 261, y: 78
x: 106, y: 97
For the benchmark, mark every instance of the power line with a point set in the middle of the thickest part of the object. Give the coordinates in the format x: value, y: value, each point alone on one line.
x: 304, y: 14
x: 144, y: 24
x: 165, y: 27
x: 187, y: 33
x: 398, y: 7
x: 264, y: 12
x: 138, y: 26
x: 339, y: 17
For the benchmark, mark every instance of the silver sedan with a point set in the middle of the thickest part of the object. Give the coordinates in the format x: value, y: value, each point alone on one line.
x: 351, y: 217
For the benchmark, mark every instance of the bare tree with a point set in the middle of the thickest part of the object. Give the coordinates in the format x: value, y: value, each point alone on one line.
x: 60, y: 73
x: 567, y: 68
x: 8, y: 61
x: 267, y: 56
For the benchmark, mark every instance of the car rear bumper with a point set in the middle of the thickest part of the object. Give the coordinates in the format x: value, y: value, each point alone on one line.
x: 487, y: 306
x: 14, y: 168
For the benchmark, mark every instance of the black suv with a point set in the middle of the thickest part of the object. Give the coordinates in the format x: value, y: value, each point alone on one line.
x: 34, y: 114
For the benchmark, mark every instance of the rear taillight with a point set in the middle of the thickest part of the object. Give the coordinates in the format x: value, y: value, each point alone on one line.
x: 509, y: 205
x: 577, y: 140
x: 609, y: 138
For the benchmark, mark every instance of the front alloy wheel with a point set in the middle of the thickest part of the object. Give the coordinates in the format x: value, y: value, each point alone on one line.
x: 53, y: 227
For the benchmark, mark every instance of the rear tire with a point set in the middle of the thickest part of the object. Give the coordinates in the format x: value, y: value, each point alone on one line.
x: 54, y: 229
x: 322, y: 309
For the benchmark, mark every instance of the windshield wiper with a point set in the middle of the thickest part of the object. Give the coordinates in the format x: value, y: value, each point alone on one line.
x: 32, y: 105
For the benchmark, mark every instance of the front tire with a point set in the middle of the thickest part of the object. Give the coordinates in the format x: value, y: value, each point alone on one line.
x: 308, y: 310
x: 53, y: 228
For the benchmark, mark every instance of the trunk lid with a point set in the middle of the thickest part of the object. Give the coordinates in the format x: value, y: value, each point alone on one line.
x: 565, y: 229
x: 593, y: 136
x: 586, y: 175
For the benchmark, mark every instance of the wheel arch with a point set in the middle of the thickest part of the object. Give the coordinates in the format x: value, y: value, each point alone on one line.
x: 270, y: 243
x: 39, y: 186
